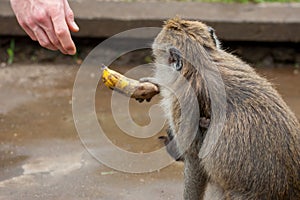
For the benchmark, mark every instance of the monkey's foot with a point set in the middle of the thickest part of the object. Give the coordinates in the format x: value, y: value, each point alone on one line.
x: 204, y: 122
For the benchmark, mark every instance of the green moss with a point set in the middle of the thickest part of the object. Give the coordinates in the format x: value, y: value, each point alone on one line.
x: 11, y: 52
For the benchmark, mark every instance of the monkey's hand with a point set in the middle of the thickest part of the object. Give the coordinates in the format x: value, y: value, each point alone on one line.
x: 147, y: 80
x: 171, y: 146
x: 127, y: 86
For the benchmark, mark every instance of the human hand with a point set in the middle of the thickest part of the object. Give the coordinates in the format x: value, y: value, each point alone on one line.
x: 47, y: 22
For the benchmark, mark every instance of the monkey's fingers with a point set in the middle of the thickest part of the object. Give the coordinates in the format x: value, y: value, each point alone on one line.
x: 165, y: 139
x: 150, y: 80
x: 140, y: 100
x: 127, y: 86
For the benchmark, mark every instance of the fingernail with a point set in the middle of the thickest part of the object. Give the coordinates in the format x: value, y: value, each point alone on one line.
x: 72, y: 52
x: 75, y: 26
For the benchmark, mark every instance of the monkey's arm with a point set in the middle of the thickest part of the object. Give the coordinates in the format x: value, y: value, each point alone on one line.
x: 171, y: 145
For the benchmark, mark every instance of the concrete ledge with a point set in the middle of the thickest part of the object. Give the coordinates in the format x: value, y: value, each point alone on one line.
x: 233, y: 22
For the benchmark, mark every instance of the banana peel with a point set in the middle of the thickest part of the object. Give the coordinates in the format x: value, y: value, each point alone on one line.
x: 127, y: 86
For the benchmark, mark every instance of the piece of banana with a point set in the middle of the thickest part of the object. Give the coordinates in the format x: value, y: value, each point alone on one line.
x: 127, y: 86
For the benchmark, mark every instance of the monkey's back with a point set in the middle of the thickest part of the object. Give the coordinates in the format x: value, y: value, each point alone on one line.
x: 259, y: 147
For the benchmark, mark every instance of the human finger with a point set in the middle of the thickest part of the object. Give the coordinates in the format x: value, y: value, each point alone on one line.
x: 69, y: 15
x: 25, y: 25
x: 48, y: 28
x: 42, y: 19
x: 43, y: 39
x: 29, y: 32
x: 62, y: 32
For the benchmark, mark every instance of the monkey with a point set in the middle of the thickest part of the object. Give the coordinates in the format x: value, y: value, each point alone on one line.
x: 254, y: 153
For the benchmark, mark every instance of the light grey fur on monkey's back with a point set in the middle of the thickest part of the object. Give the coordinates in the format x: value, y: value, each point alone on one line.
x: 257, y: 153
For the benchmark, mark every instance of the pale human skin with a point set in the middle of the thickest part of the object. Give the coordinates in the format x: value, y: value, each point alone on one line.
x: 48, y: 22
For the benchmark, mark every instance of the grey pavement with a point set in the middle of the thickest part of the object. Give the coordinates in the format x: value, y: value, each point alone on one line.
x: 41, y: 154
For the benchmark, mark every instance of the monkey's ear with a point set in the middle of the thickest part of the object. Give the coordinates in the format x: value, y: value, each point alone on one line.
x: 214, y: 37
x: 175, y: 58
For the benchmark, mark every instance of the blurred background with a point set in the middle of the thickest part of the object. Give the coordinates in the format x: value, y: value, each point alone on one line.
x: 41, y: 155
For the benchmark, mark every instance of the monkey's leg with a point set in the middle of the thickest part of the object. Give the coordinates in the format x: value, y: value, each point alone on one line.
x: 172, y: 148
x: 234, y: 195
x: 195, y: 178
x: 214, y: 192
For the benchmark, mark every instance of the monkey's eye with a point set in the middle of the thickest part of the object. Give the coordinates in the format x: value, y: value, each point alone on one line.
x: 175, y: 59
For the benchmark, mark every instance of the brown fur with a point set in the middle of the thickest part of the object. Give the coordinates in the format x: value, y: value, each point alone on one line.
x: 257, y: 153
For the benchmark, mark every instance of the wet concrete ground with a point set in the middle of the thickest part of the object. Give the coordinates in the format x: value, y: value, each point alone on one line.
x: 42, y: 157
